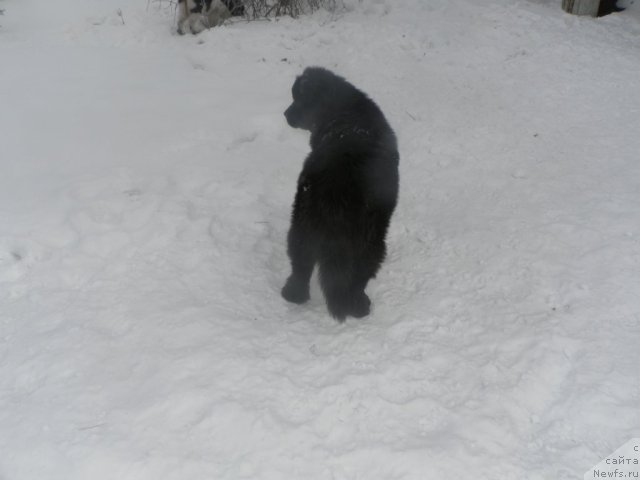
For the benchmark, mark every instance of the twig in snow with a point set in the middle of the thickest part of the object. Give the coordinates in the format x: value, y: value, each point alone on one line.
x: 91, y: 427
x: 119, y: 12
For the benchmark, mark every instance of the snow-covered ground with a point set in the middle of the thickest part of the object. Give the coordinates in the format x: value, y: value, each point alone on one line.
x: 145, y: 188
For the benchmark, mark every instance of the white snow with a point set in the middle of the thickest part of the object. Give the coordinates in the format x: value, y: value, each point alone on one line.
x: 145, y: 192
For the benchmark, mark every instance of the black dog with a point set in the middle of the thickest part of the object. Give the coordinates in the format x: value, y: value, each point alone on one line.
x: 346, y: 194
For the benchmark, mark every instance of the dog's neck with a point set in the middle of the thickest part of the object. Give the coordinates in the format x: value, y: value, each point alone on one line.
x: 335, y: 129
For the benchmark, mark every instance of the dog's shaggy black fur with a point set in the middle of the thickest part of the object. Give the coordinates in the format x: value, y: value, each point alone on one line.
x: 346, y: 193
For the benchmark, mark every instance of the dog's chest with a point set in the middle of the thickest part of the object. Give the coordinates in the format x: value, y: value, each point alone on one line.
x: 304, y: 185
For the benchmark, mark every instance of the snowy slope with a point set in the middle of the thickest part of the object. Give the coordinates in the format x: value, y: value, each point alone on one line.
x: 144, y: 200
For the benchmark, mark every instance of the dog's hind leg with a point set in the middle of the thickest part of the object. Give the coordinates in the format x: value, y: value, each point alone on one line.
x: 303, y: 258
x: 342, y: 288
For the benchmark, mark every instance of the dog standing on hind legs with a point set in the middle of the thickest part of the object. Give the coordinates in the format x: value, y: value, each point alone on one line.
x: 346, y: 194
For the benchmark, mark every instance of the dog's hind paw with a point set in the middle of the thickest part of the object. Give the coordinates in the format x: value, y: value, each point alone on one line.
x: 360, y: 306
x: 295, y: 292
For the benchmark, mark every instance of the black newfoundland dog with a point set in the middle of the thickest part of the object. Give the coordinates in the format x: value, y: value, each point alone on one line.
x: 346, y: 194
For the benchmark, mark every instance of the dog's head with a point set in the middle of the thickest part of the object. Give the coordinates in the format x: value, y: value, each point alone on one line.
x: 315, y: 93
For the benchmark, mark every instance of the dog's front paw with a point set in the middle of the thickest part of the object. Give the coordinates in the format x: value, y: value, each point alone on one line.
x: 295, y: 291
x: 360, y: 306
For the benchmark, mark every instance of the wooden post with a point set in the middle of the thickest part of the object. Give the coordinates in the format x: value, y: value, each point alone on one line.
x: 581, y: 7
